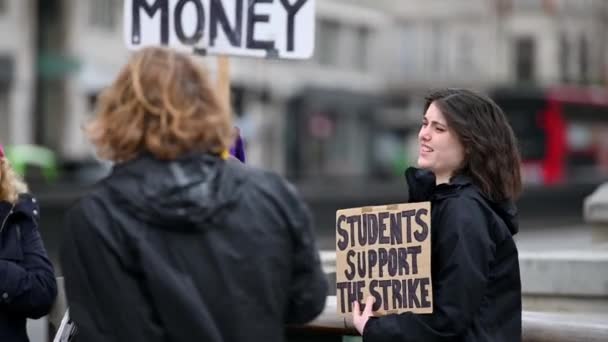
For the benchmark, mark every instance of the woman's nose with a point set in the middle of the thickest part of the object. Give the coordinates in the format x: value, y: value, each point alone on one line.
x: 423, y: 135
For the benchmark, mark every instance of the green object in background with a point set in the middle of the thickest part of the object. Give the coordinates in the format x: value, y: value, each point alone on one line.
x: 352, y: 339
x: 56, y: 66
x: 20, y: 156
x: 400, y: 162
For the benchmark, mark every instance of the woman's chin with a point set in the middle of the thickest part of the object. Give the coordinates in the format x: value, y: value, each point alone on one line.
x: 423, y: 163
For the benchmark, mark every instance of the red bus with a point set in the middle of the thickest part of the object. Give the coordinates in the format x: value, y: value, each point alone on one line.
x: 562, y: 132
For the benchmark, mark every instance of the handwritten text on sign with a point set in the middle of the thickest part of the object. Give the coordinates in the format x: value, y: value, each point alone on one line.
x: 385, y: 252
x: 259, y: 28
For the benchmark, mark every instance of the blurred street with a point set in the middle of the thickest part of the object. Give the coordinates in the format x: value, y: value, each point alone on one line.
x: 541, y: 210
x: 549, y: 234
x: 545, y: 213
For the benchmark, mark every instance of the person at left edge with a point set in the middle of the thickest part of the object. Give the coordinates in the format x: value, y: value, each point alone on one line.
x: 27, y: 281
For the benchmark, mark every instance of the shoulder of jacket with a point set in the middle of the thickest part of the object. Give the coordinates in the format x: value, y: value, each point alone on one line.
x: 256, y: 178
x: 93, y: 213
x: 269, y: 185
x: 27, y: 205
x: 465, y: 194
x: 470, y: 206
x: 467, y: 203
x: 92, y: 202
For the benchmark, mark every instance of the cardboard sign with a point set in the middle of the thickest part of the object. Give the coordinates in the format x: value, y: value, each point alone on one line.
x: 385, y: 252
x: 258, y: 28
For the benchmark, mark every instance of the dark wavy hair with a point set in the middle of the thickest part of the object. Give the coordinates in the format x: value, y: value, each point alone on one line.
x: 491, y: 158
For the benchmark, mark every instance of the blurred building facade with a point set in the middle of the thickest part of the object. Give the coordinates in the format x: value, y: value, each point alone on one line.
x: 478, y: 43
x: 17, y: 70
x: 529, y: 46
x: 349, y: 111
x: 76, y: 49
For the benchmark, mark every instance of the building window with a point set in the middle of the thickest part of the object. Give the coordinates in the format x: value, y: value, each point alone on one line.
x: 326, y: 41
x: 564, y: 59
x: 525, y: 56
x: 466, y: 62
x: 103, y: 14
x: 7, y: 67
x: 584, y: 60
x: 438, y: 48
x: 528, y: 5
x: 362, y: 47
x: 408, y: 53
x: 4, y: 115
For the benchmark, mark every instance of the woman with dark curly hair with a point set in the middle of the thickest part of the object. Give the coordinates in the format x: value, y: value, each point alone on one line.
x: 27, y: 281
x: 470, y: 172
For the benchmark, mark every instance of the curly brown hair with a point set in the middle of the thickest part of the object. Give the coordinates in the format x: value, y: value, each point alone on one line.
x: 163, y: 103
x: 11, y: 184
x: 492, y: 158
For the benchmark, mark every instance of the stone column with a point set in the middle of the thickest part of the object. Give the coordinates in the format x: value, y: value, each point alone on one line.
x: 595, y: 213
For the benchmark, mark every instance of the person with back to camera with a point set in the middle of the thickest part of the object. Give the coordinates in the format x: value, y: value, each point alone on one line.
x: 180, y: 242
x: 27, y: 280
x: 470, y: 172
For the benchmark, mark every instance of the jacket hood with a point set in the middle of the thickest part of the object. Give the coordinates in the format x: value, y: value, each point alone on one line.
x: 508, y: 212
x: 180, y: 194
x: 421, y: 187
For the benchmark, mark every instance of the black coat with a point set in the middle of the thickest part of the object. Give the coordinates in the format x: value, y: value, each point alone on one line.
x: 27, y: 281
x: 197, y: 249
x: 475, y: 269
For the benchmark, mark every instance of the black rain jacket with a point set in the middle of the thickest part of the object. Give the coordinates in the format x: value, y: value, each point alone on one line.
x: 196, y: 249
x: 27, y: 280
x: 475, y: 269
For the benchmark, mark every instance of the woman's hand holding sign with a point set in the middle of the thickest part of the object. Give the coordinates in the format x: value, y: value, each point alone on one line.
x: 361, y: 318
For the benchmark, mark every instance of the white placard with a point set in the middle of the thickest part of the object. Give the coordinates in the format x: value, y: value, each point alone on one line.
x: 256, y: 28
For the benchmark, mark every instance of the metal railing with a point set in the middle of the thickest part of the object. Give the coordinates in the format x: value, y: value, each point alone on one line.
x: 331, y: 327
x: 537, y: 327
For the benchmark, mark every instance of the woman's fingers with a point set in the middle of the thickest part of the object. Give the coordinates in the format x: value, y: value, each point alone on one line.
x: 356, y: 310
x: 361, y: 318
x: 369, y: 303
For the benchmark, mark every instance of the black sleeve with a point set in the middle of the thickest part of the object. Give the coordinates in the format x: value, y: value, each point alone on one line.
x: 464, y: 251
x: 28, y: 288
x: 104, y: 297
x: 308, y: 288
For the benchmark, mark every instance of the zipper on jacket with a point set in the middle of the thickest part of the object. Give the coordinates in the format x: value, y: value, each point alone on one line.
x: 6, y: 218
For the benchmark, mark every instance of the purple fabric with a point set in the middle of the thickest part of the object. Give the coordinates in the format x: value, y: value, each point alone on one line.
x: 238, y: 149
